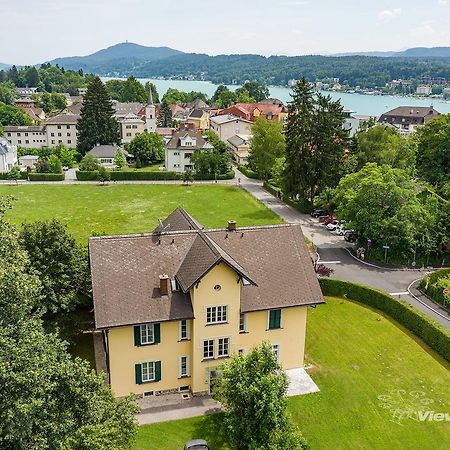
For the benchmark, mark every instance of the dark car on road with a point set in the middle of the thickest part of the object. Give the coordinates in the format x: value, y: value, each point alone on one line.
x: 319, y: 213
x: 350, y: 236
x: 196, y: 444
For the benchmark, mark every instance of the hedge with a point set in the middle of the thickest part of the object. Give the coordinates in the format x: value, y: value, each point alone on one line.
x: 432, y: 333
x: 302, y: 205
x: 84, y: 175
x: 247, y: 171
x: 5, y: 175
x: 117, y: 175
x: 225, y: 176
x: 430, y: 286
x: 46, y: 177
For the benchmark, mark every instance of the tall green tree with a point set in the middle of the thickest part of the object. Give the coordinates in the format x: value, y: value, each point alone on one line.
x: 11, y: 115
x: 315, y: 142
x: 267, y: 145
x: 253, y: 389
x: 384, y: 145
x: 133, y: 91
x: 62, y: 266
x: 119, y: 159
x: 165, y: 118
x: 8, y: 93
x: 255, y: 90
x: 210, y: 163
x: 433, y: 151
x: 147, y: 147
x: 97, y: 124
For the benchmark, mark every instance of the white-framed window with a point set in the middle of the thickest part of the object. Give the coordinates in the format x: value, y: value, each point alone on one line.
x: 276, y: 352
x: 184, y: 366
x: 148, y: 371
x: 208, y: 349
x: 184, y: 330
x: 242, y: 323
x: 223, y: 348
x: 147, y: 333
x: 216, y: 314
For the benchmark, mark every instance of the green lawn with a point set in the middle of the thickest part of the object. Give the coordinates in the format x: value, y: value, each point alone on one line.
x: 133, y: 208
x: 151, y: 168
x: 367, y: 368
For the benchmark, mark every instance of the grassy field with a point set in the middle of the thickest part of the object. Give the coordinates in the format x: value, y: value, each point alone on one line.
x: 134, y: 208
x: 372, y: 377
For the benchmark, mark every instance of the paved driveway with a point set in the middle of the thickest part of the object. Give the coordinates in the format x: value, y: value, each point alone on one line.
x: 332, y: 250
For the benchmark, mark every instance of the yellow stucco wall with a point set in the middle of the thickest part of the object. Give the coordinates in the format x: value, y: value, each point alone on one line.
x: 123, y: 355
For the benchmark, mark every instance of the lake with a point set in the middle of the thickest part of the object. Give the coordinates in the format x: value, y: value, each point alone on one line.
x: 370, y: 105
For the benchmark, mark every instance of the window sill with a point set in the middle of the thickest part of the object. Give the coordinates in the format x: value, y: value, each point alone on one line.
x: 216, y: 323
x: 272, y: 329
x: 150, y: 381
x: 223, y: 357
x: 184, y: 340
x: 148, y: 343
x: 243, y: 332
x: 183, y: 377
x: 208, y: 359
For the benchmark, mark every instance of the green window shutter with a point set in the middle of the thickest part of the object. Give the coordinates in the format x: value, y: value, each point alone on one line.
x: 138, y: 373
x: 137, y: 336
x: 271, y: 320
x: 157, y: 333
x: 277, y: 319
x: 157, y: 370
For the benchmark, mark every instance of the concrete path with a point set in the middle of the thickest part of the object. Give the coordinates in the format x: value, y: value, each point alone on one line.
x: 333, y: 253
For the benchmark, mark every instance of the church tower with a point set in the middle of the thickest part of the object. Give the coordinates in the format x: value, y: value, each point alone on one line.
x: 150, y: 113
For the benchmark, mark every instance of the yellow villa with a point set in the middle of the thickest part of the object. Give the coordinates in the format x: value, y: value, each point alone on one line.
x: 173, y: 304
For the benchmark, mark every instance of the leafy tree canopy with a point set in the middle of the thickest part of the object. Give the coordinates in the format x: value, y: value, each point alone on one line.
x: 254, y: 90
x: 147, y: 147
x: 174, y: 96
x: 11, y: 115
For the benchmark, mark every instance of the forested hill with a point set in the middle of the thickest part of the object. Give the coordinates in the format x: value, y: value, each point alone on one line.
x: 361, y: 71
x: 353, y: 70
x: 120, y: 58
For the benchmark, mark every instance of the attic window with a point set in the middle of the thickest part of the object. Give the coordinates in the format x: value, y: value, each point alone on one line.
x: 174, y: 285
x: 217, y: 287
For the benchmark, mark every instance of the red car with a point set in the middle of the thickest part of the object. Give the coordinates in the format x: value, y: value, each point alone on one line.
x: 328, y: 219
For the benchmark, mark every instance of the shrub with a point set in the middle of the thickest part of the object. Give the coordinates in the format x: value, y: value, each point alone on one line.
x: 5, y: 175
x: 103, y: 175
x: 432, y: 333
x: 87, y: 175
x: 224, y: 176
x: 46, y: 177
x: 89, y: 163
x: 434, y: 284
x: 247, y: 171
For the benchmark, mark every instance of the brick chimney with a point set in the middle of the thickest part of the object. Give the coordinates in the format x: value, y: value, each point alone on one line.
x: 231, y: 225
x: 164, y: 284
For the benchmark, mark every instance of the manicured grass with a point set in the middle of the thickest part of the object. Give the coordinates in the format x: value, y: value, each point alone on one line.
x: 151, y: 168
x: 133, y: 208
x: 357, y: 356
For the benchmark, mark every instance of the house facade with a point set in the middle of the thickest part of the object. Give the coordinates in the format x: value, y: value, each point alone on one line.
x: 8, y: 155
x: 407, y: 119
x: 199, y: 296
x: 105, y: 154
x: 130, y: 126
x: 239, y: 146
x: 61, y: 129
x: 181, y: 146
x: 226, y: 126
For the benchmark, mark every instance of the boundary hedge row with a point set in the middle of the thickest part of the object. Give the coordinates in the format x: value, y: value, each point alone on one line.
x: 431, y: 287
x: 46, y: 176
x: 84, y: 175
x: 432, y: 333
x: 303, y: 206
x: 117, y: 175
x: 247, y: 171
x: 226, y: 176
x: 4, y: 175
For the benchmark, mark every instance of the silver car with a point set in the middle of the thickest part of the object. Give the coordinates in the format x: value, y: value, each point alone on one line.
x: 196, y: 444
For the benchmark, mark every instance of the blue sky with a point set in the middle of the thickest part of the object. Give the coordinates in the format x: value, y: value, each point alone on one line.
x: 41, y: 30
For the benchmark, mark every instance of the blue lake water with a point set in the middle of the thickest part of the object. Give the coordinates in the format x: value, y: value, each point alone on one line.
x: 373, y: 105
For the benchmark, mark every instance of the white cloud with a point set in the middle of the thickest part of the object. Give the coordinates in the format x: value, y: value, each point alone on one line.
x: 426, y: 28
x: 387, y: 15
x: 295, y: 2
x: 443, y: 2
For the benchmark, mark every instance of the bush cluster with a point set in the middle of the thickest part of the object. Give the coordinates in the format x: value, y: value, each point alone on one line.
x: 434, y: 284
x: 302, y: 205
x: 46, y: 176
x: 432, y: 333
x: 247, y: 171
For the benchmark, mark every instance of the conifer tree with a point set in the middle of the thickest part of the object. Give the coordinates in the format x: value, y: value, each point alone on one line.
x: 315, y: 142
x: 96, y: 124
x: 165, y: 118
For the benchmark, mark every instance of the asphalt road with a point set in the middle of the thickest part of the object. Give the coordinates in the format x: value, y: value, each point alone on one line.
x: 333, y: 253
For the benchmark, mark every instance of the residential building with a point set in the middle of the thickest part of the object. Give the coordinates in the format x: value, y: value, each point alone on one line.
x: 28, y: 162
x: 25, y: 92
x: 33, y: 136
x: 105, y: 154
x: 173, y: 304
x: 271, y: 109
x: 131, y: 126
x: 8, y: 155
x: 239, y: 146
x: 199, y: 118
x: 62, y: 130
x: 166, y: 133
x: 424, y: 90
x: 406, y: 119
x: 226, y: 126
x: 183, y: 143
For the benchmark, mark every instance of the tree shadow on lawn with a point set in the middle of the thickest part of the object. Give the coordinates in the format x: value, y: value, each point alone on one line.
x: 211, y: 428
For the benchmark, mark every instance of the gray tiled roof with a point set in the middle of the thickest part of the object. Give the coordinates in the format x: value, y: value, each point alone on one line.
x: 126, y: 270
x: 65, y: 119
x: 105, y: 151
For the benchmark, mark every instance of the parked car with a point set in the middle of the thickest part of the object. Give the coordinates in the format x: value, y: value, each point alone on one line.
x: 332, y: 225
x: 328, y: 219
x: 339, y: 230
x: 350, y: 236
x: 196, y: 444
x: 319, y: 213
